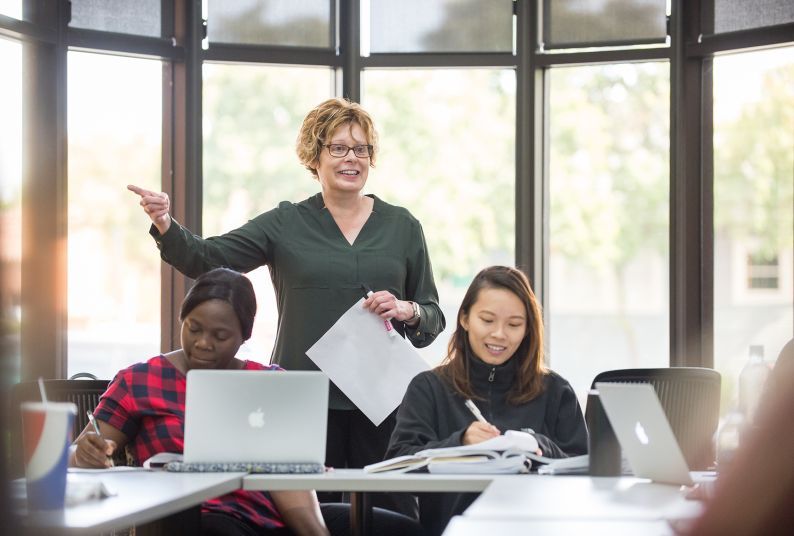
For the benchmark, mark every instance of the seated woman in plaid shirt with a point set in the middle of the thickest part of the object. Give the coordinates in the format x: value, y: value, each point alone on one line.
x: 144, y: 405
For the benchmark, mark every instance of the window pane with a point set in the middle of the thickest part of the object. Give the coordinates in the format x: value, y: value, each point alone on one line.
x: 141, y: 17
x: 305, y: 23
x: 441, y: 26
x: 753, y: 209
x: 609, y: 197
x: 114, y: 129
x: 11, y: 8
x: 580, y: 23
x: 10, y: 211
x: 448, y: 156
x: 251, y: 119
x: 732, y: 15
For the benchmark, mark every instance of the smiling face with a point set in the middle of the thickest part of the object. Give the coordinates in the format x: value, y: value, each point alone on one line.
x: 348, y: 173
x: 211, y: 335
x: 495, y: 325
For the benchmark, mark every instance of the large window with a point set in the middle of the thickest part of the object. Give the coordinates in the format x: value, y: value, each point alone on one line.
x: 251, y: 119
x: 609, y: 204
x: 11, y: 8
x: 10, y: 210
x: 447, y: 155
x: 552, y: 114
x: 114, y: 127
x: 440, y: 26
x: 272, y: 22
x: 753, y: 208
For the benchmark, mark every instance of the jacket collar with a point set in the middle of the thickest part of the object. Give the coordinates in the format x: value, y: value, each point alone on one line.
x: 484, y: 375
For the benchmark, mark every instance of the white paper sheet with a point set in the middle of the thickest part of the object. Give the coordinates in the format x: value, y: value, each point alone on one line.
x: 370, y: 367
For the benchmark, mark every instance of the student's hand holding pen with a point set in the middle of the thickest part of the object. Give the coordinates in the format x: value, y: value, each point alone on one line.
x: 477, y: 432
x: 93, y: 451
x: 480, y: 430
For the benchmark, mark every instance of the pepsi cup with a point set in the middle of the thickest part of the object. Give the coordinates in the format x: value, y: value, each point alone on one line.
x: 46, y: 431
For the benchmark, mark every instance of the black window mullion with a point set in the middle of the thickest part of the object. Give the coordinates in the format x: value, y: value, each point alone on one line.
x: 44, y: 196
x: 84, y: 39
x: 691, y: 265
x: 350, y: 48
x: 226, y: 52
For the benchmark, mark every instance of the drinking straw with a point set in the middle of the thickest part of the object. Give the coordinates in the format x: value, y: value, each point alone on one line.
x: 43, y: 393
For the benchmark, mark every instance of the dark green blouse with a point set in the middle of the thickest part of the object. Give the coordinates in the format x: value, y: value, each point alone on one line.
x: 316, y: 273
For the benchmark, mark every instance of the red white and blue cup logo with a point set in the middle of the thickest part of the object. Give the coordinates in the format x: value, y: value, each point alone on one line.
x: 47, y: 431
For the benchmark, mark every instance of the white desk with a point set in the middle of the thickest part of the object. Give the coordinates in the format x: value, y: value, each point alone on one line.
x: 582, y: 498
x: 356, y: 480
x: 358, y: 483
x: 513, y: 503
x: 469, y: 526
x: 142, y: 497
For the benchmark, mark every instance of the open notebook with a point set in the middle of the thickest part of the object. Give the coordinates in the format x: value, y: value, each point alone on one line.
x: 512, y: 452
x: 254, y: 421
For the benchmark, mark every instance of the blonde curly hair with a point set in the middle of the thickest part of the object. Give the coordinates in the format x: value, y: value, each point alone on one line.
x: 322, y: 121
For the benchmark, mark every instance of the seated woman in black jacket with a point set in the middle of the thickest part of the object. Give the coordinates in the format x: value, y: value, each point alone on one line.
x: 495, y: 358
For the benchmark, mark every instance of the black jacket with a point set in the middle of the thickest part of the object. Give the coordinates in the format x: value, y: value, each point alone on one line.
x: 432, y: 415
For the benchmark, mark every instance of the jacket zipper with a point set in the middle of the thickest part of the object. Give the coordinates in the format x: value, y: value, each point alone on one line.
x: 490, y: 393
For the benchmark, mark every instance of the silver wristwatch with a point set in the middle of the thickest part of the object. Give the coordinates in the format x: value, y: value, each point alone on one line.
x: 417, y: 312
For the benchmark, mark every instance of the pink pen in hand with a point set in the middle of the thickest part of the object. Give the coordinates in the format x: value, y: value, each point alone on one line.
x: 386, y: 323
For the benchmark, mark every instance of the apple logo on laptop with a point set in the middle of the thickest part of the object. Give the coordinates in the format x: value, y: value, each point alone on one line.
x: 639, y: 431
x: 256, y: 419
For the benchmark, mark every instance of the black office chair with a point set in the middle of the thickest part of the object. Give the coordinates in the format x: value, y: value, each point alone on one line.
x: 84, y: 393
x: 690, y: 397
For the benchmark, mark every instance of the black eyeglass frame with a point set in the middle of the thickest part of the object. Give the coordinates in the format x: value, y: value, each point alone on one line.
x: 349, y: 148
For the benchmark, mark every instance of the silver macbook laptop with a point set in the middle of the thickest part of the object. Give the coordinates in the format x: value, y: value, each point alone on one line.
x: 274, y: 421
x: 644, y: 433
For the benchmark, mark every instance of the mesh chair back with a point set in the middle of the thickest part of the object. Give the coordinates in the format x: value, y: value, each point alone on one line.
x: 84, y: 393
x: 690, y: 397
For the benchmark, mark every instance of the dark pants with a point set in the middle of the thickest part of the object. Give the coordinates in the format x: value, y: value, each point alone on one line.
x: 353, y: 442
x: 336, y: 517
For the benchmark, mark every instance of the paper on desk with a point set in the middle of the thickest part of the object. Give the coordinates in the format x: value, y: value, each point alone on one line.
x: 80, y: 491
x: 371, y: 368
x: 114, y: 469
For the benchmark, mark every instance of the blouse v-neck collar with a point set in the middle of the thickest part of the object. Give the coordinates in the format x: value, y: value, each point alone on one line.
x: 318, y: 203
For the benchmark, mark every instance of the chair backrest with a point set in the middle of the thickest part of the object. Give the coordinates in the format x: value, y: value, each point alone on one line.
x: 690, y: 397
x: 84, y: 393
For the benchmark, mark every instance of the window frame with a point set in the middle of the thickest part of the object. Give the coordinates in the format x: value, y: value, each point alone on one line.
x: 47, y: 37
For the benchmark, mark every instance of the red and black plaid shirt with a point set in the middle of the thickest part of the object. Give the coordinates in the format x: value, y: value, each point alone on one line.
x: 147, y: 403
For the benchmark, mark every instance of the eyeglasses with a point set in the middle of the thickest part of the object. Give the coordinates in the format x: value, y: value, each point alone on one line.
x: 338, y: 150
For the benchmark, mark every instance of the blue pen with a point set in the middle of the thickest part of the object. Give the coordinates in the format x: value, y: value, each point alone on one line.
x: 386, y: 323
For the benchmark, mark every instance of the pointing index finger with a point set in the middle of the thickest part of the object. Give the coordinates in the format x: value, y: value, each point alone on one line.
x: 138, y: 190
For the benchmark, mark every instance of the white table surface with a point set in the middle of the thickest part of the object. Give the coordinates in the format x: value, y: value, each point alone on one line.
x: 142, y: 496
x: 540, y: 497
x: 470, y: 526
x: 358, y: 480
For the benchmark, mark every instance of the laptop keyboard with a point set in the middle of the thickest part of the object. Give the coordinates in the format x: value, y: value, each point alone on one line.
x: 241, y: 467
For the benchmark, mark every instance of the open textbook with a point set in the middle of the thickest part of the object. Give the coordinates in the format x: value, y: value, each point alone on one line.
x: 512, y: 452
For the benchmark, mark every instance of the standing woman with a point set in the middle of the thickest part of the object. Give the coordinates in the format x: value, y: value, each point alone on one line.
x: 319, y: 252
x: 495, y: 359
